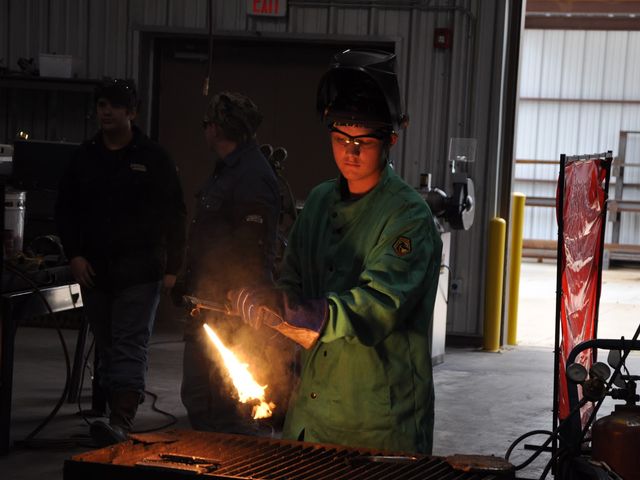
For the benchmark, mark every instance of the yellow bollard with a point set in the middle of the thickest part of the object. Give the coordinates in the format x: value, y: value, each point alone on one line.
x: 493, y: 284
x: 515, y: 260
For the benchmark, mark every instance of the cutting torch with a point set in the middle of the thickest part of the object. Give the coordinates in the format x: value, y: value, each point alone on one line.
x: 198, y: 304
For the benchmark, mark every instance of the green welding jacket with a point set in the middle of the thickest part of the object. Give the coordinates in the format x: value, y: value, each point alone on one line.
x: 368, y: 381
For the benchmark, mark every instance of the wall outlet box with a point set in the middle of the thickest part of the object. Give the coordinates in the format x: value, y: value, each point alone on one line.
x: 61, y: 66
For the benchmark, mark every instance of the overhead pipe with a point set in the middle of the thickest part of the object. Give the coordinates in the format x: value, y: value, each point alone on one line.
x: 207, y: 84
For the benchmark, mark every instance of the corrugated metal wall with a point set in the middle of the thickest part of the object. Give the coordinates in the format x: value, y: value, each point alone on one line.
x: 630, y: 221
x: 448, y: 93
x: 578, y: 90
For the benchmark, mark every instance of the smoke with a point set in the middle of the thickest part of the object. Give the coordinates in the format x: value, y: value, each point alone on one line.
x: 269, y: 355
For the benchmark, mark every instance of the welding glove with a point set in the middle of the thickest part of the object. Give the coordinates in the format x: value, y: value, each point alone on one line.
x: 177, y: 293
x: 254, y: 304
x: 301, y: 322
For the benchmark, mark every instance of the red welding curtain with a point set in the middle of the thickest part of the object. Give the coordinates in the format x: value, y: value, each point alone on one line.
x: 582, y: 212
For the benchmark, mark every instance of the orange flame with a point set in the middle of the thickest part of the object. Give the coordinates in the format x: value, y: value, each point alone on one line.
x: 246, y: 386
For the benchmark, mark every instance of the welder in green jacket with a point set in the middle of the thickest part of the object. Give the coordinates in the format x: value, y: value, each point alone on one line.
x: 359, y: 280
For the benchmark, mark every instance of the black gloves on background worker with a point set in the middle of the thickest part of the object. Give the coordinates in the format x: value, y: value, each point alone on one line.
x: 302, y: 322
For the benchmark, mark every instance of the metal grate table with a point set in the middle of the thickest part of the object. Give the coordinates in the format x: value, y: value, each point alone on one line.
x: 183, y: 454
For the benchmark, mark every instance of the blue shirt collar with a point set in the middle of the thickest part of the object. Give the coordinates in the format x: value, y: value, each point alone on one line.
x: 231, y: 159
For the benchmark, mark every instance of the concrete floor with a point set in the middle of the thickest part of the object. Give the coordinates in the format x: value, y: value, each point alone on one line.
x: 484, y: 401
x: 619, y: 303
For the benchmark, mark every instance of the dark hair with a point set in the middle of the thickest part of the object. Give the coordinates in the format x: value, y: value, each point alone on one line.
x: 119, y: 92
x: 235, y: 114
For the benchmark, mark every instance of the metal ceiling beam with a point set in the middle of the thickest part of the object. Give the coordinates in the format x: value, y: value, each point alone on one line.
x: 583, y: 14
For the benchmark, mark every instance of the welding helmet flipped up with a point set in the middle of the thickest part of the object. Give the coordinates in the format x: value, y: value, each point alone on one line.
x: 361, y: 88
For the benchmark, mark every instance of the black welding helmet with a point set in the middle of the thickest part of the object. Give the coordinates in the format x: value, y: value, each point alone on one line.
x: 361, y: 88
x: 119, y: 92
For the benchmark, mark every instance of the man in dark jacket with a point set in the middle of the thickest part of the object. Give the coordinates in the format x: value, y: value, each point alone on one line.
x: 121, y: 217
x: 231, y: 243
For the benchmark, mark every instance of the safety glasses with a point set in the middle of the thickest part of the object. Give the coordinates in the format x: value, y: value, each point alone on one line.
x: 368, y: 140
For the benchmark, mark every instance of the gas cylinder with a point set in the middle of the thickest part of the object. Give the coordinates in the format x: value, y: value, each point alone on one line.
x: 616, y: 440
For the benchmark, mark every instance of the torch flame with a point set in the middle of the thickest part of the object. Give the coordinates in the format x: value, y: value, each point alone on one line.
x: 246, y: 386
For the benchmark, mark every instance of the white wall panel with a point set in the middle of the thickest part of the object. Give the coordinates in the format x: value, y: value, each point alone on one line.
x: 354, y: 20
x: 600, y: 67
x: 551, y: 64
x: 632, y: 63
x: 67, y: 32
x: 266, y: 24
x: 151, y: 12
x: 594, y: 55
x: 630, y: 222
x: 568, y: 134
x: 109, y: 39
x: 191, y: 13
x: 632, y: 154
x: 527, y: 129
x: 229, y: 15
x: 573, y: 63
x: 311, y: 20
x: 609, y: 132
x: 547, y: 134
x: 629, y: 227
x: 4, y: 30
x: 615, y: 64
x: 531, y: 63
x: 589, y: 123
x: 28, y: 30
x: 630, y: 117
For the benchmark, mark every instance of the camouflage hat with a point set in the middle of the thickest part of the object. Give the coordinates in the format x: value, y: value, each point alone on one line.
x: 235, y: 114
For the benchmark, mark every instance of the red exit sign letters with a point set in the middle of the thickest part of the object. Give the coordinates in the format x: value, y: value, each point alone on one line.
x: 267, y: 8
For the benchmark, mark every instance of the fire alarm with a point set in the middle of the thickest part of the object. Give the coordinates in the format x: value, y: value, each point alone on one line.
x: 442, y: 38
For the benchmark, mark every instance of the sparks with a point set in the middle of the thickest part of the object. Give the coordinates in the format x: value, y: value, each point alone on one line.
x: 246, y: 386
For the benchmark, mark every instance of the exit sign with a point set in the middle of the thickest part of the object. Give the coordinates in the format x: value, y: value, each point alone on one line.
x: 267, y: 8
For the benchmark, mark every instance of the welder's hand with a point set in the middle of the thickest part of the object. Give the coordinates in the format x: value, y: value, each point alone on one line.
x: 168, y: 282
x: 82, y: 271
x: 251, y: 306
x: 192, y: 308
x: 177, y: 293
x: 302, y: 321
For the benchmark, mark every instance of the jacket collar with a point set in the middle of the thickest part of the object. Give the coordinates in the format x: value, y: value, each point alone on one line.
x: 343, y: 190
x: 138, y: 141
x: 232, y: 159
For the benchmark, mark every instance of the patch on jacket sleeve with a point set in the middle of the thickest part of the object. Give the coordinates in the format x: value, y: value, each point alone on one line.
x: 254, y: 218
x: 402, y: 246
x: 138, y: 167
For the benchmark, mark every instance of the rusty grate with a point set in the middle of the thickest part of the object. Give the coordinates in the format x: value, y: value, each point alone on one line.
x: 242, y: 458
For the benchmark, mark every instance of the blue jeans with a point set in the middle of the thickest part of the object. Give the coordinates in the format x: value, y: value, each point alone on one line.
x: 122, y: 322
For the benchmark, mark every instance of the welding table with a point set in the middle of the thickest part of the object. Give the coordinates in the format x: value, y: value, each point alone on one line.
x: 17, y: 306
x: 181, y: 454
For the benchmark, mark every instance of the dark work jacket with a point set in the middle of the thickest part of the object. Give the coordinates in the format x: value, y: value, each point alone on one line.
x: 123, y: 211
x: 233, y: 233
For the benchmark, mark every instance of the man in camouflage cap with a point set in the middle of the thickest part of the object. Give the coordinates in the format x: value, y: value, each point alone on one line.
x: 231, y: 243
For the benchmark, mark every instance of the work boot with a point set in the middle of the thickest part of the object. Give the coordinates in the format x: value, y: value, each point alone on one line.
x: 124, y: 405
